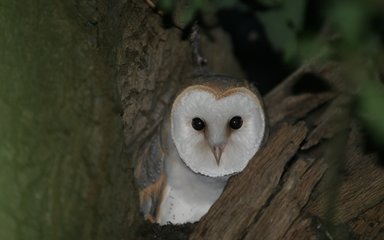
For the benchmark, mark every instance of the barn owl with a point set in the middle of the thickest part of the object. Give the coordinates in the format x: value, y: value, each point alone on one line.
x: 213, y: 129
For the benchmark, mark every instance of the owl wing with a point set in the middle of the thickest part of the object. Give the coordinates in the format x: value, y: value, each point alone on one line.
x: 150, y: 176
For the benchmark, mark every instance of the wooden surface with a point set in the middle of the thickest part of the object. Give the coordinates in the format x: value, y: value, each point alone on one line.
x: 313, y: 171
x: 313, y: 179
x: 148, y: 62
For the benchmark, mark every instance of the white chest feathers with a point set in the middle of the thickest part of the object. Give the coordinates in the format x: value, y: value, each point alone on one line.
x: 187, y: 195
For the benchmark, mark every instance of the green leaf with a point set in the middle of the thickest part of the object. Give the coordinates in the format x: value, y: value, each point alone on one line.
x: 270, y: 3
x: 226, y: 3
x: 166, y: 5
x: 371, y: 108
x: 282, y: 25
x: 349, y: 19
x: 310, y: 48
x: 188, y: 14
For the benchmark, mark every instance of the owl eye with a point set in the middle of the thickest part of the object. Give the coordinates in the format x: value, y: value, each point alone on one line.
x: 198, y: 124
x: 236, y: 122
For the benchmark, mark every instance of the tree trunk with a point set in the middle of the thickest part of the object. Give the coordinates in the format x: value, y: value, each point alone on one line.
x: 149, y: 63
x: 313, y: 178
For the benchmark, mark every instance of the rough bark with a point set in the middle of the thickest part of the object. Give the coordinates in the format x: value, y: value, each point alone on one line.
x: 149, y: 62
x: 298, y: 183
x: 313, y: 178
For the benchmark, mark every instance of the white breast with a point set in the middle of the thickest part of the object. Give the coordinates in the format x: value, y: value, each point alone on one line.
x: 188, y: 195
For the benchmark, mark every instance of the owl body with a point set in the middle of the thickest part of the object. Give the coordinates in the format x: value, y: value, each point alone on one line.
x: 187, y: 196
x: 214, y: 127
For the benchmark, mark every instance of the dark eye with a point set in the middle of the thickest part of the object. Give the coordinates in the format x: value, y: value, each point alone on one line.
x: 198, y: 124
x: 236, y: 122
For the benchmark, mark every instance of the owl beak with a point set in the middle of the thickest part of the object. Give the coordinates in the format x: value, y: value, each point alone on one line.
x: 217, y: 151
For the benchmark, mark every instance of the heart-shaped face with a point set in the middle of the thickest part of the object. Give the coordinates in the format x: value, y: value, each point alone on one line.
x: 216, y: 133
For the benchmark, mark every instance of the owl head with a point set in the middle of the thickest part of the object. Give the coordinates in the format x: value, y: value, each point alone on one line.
x: 217, y: 125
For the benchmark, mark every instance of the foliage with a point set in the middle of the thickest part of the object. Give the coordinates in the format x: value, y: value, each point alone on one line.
x: 348, y: 30
x: 371, y: 107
